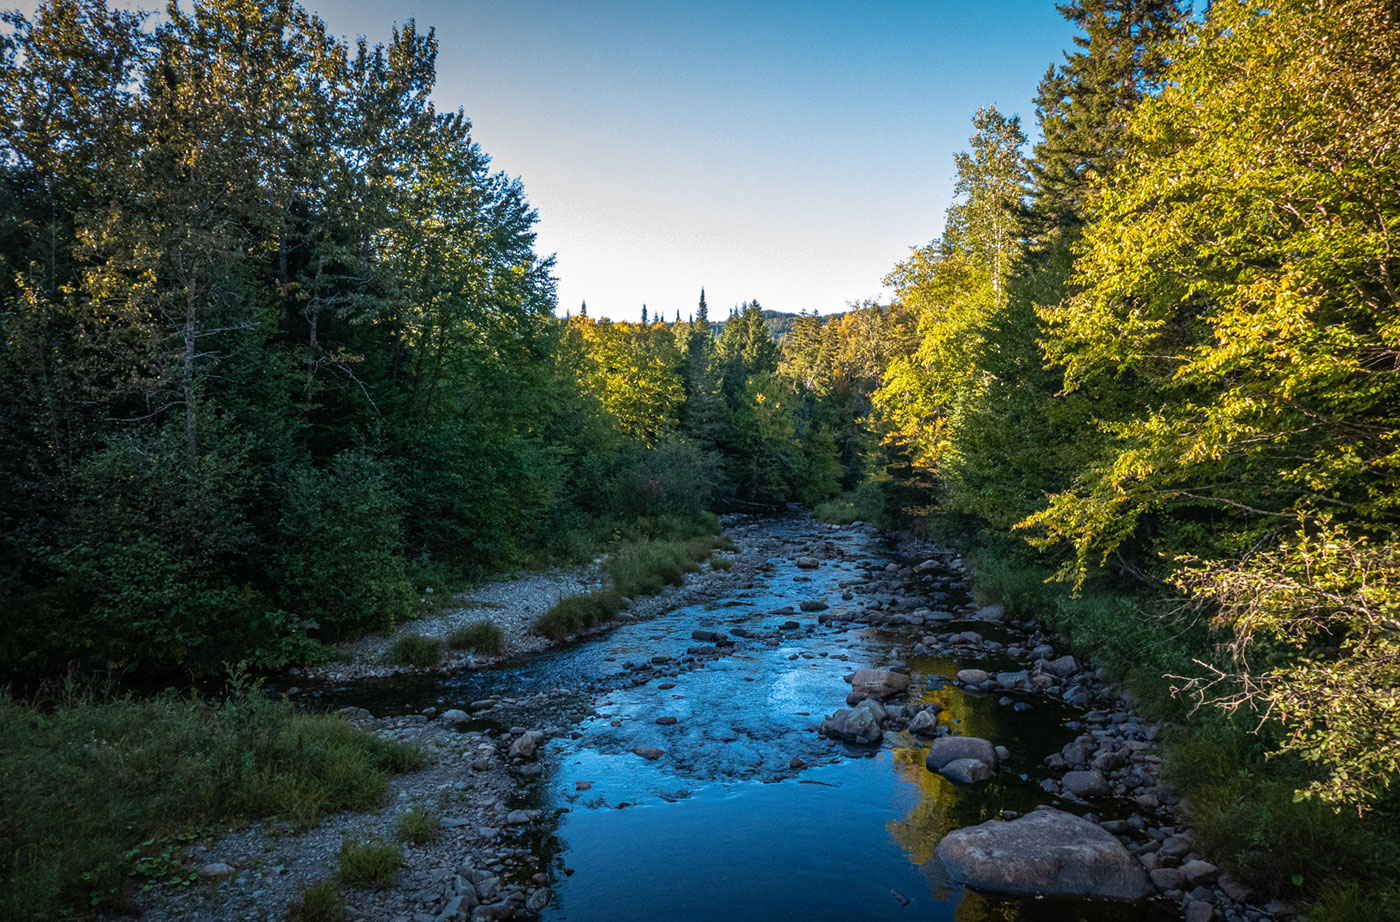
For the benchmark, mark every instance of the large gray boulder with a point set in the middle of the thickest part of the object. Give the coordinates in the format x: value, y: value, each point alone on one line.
x: 947, y: 749
x: 857, y: 725
x: 876, y: 683
x: 1046, y: 852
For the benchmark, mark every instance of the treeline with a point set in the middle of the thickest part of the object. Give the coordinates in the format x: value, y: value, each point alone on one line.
x: 278, y: 349
x: 1161, y: 347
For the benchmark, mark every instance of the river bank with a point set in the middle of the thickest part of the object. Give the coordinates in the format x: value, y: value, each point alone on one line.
x: 570, y: 784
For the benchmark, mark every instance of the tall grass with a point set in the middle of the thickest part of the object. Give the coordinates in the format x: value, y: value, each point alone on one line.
x: 481, y: 636
x: 578, y: 612
x: 95, y: 783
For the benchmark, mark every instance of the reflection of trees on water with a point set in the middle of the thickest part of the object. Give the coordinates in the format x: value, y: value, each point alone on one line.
x: 940, y: 806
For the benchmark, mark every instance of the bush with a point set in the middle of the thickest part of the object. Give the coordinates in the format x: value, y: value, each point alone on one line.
x: 88, y: 779
x: 645, y: 567
x: 418, y: 826
x: 481, y: 636
x: 578, y: 612
x: 368, y: 865
x: 416, y: 650
x: 866, y: 503
x: 320, y: 902
x: 341, y: 562
x: 721, y: 563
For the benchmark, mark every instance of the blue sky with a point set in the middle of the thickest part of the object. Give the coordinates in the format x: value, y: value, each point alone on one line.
x: 781, y: 151
x: 788, y: 152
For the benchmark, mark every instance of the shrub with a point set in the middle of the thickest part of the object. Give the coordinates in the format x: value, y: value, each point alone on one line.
x: 341, y: 562
x: 320, y: 902
x: 416, y: 650
x: 418, y: 826
x: 578, y: 612
x: 368, y: 865
x: 721, y: 563
x: 482, y: 636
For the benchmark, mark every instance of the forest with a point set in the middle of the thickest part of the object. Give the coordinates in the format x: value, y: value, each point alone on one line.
x: 277, y: 353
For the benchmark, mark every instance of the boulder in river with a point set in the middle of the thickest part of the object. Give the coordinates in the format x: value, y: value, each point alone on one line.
x: 972, y: 676
x: 1047, y: 852
x: 813, y: 605
x: 966, y: 771
x: 808, y: 563
x: 650, y: 753
x: 876, y: 683
x: 925, y: 723
x: 857, y: 725
x: 947, y: 749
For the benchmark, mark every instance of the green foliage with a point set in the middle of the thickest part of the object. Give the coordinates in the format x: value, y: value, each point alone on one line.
x: 368, y: 865
x: 342, y: 557
x: 578, y: 612
x: 416, y: 650
x: 99, y: 790
x: 418, y: 826
x: 320, y: 902
x: 481, y: 636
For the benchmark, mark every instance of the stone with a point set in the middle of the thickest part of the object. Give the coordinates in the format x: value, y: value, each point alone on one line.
x: 539, y: 899
x: 523, y: 747
x: 808, y: 563
x: 993, y: 612
x: 1062, y: 667
x: 947, y: 749
x: 857, y: 725
x: 1086, y: 784
x: 1198, y: 911
x: 966, y: 771
x: 1200, y: 873
x: 215, y: 869
x: 454, y: 716
x: 1012, y: 679
x: 1046, y: 852
x: 521, y: 817
x: 1167, y: 879
x: 666, y: 721
x: 1079, y: 696
x: 650, y: 753
x: 1234, y: 889
x: 925, y: 723
x: 813, y: 605
x: 972, y: 676
x: 707, y: 636
x: 876, y: 683
x: 1175, y: 847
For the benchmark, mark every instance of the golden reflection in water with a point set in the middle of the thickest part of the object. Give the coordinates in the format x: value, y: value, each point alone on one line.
x: 940, y: 807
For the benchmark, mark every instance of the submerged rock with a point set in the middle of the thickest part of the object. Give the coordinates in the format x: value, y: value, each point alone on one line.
x: 1047, y: 852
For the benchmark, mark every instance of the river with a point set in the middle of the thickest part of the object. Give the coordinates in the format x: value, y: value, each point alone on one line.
x: 750, y: 813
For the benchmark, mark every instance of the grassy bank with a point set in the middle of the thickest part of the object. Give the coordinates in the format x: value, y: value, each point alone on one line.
x: 1239, y: 788
x: 99, y: 793
x: 657, y: 555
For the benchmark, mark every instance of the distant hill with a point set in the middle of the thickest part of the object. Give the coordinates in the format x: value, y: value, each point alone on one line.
x: 779, y: 322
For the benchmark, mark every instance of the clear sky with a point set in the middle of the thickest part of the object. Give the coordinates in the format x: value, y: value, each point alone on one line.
x: 789, y: 152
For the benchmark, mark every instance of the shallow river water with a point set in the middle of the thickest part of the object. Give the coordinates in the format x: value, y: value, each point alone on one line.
x: 722, y: 826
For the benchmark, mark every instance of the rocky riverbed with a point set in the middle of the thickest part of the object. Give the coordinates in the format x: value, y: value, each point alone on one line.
x: 831, y: 728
